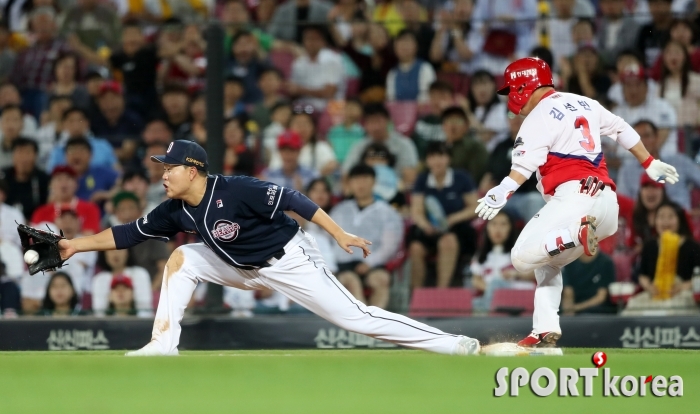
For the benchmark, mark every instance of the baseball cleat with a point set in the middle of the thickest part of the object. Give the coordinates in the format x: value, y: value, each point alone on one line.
x: 587, y: 237
x: 543, y: 340
x: 151, y: 349
x: 467, y: 346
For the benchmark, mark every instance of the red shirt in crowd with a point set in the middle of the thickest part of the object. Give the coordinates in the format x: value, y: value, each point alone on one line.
x: 88, y: 213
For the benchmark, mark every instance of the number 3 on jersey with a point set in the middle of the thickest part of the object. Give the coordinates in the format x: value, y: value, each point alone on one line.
x: 588, y: 143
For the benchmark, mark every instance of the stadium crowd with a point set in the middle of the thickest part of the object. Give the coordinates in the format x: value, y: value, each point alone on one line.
x: 384, y: 113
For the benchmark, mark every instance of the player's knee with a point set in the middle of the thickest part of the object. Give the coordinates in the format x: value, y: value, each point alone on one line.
x: 379, y: 279
x: 521, y: 260
x: 416, y: 250
x: 448, y: 242
x: 175, y: 263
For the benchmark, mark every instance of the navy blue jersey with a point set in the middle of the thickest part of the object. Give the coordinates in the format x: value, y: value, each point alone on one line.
x: 240, y: 218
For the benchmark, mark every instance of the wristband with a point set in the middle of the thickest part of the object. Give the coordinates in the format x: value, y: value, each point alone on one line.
x: 647, y: 162
x: 510, y: 185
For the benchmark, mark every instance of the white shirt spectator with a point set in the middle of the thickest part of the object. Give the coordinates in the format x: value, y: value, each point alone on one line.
x: 656, y: 110
x: 143, y: 295
x: 400, y: 146
x: 496, y: 120
x: 615, y: 92
x: 9, y: 218
x: 325, y: 245
x: 378, y: 223
x: 327, y: 69
x: 13, y: 258
x: 311, y: 156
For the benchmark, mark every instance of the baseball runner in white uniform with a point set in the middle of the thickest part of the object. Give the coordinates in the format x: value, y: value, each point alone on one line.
x: 560, y: 141
x: 247, y: 242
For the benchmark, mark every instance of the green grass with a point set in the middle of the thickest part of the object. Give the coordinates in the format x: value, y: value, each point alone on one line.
x: 315, y: 381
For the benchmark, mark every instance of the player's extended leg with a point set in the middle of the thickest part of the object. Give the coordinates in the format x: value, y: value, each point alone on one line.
x: 547, y: 299
x: 188, y: 265
x: 303, y: 276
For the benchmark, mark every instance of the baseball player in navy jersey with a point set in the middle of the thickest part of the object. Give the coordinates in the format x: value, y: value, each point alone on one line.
x: 247, y: 242
x: 560, y: 142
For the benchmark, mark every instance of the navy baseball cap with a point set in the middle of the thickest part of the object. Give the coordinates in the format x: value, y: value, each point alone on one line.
x: 182, y: 152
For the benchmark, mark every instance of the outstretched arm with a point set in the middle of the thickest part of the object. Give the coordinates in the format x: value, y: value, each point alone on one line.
x: 101, y: 241
x: 345, y: 240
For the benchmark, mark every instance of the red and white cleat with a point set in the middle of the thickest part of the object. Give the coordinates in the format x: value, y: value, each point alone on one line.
x: 587, y: 237
x: 543, y: 340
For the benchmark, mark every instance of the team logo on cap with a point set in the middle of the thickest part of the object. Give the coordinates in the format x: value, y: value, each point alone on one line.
x: 170, y: 147
x: 225, y: 230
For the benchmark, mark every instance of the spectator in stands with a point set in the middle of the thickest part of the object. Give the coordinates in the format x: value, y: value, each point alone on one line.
x: 349, y: 132
x: 280, y: 115
x: 559, y: 28
x: 60, y: 299
x: 289, y: 17
x: 234, y: 88
x: 527, y: 201
x: 628, y: 177
x: 617, y: 31
x: 175, y: 101
x: 450, y: 45
x: 270, y: 81
x: 27, y: 185
x: 93, y: 83
x: 9, y: 95
x: 628, y: 58
x: 466, y: 151
x: 639, y: 105
x: 198, y: 114
x: 679, y: 85
x: 318, y: 76
x: 76, y: 124
x: 11, y: 128
x: 291, y: 174
x: 429, y: 127
x: 121, y: 297
x: 381, y: 225
x: 137, y: 61
x: 156, y: 191
x: 89, y: 24
x: 416, y: 19
x: 95, y: 183
x: 152, y: 254
x: 492, y: 268
x: 376, y: 123
x: 320, y: 192
x: 155, y: 132
x: 386, y: 181
x: 65, y: 80
x: 50, y: 132
x: 182, y: 57
x: 341, y: 17
x: 62, y: 189
x: 411, y: 78
x: 652, y: 36
x: 502, y: 31
x: 133, y: 181
x: 371, y: 51
x: 489, y: 110
x: 114, y: 122
x: 7, y: 55
x: 116, y: 264
x: 585, y: 75
x: 246, y: 64
x: 238, y: 159
x: 10, y: 216
x: 442, y: 206
x: 586, y: 282
x: 315, y: 154
x: 32, y: 72
x: 667, y: 285
x: 684, y: 32
x: 651, y: 195
x: 10, y: 302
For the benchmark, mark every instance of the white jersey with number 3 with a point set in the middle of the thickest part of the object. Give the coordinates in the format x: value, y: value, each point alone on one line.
x: 560, y: 141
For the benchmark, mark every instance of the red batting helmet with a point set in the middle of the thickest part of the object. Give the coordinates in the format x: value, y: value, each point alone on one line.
x: 521, y: 78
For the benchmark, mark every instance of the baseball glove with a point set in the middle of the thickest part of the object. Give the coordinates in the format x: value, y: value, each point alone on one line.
x: 43, y: 242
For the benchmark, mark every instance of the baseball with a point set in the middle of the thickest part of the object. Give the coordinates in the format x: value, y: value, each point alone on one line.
x: 31, y: 257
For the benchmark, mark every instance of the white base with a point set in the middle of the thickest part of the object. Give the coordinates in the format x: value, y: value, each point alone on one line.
x: 512, y: 349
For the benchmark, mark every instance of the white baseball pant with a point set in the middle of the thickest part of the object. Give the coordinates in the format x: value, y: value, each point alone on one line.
x: 562, y: 214
x: 302, y: 275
